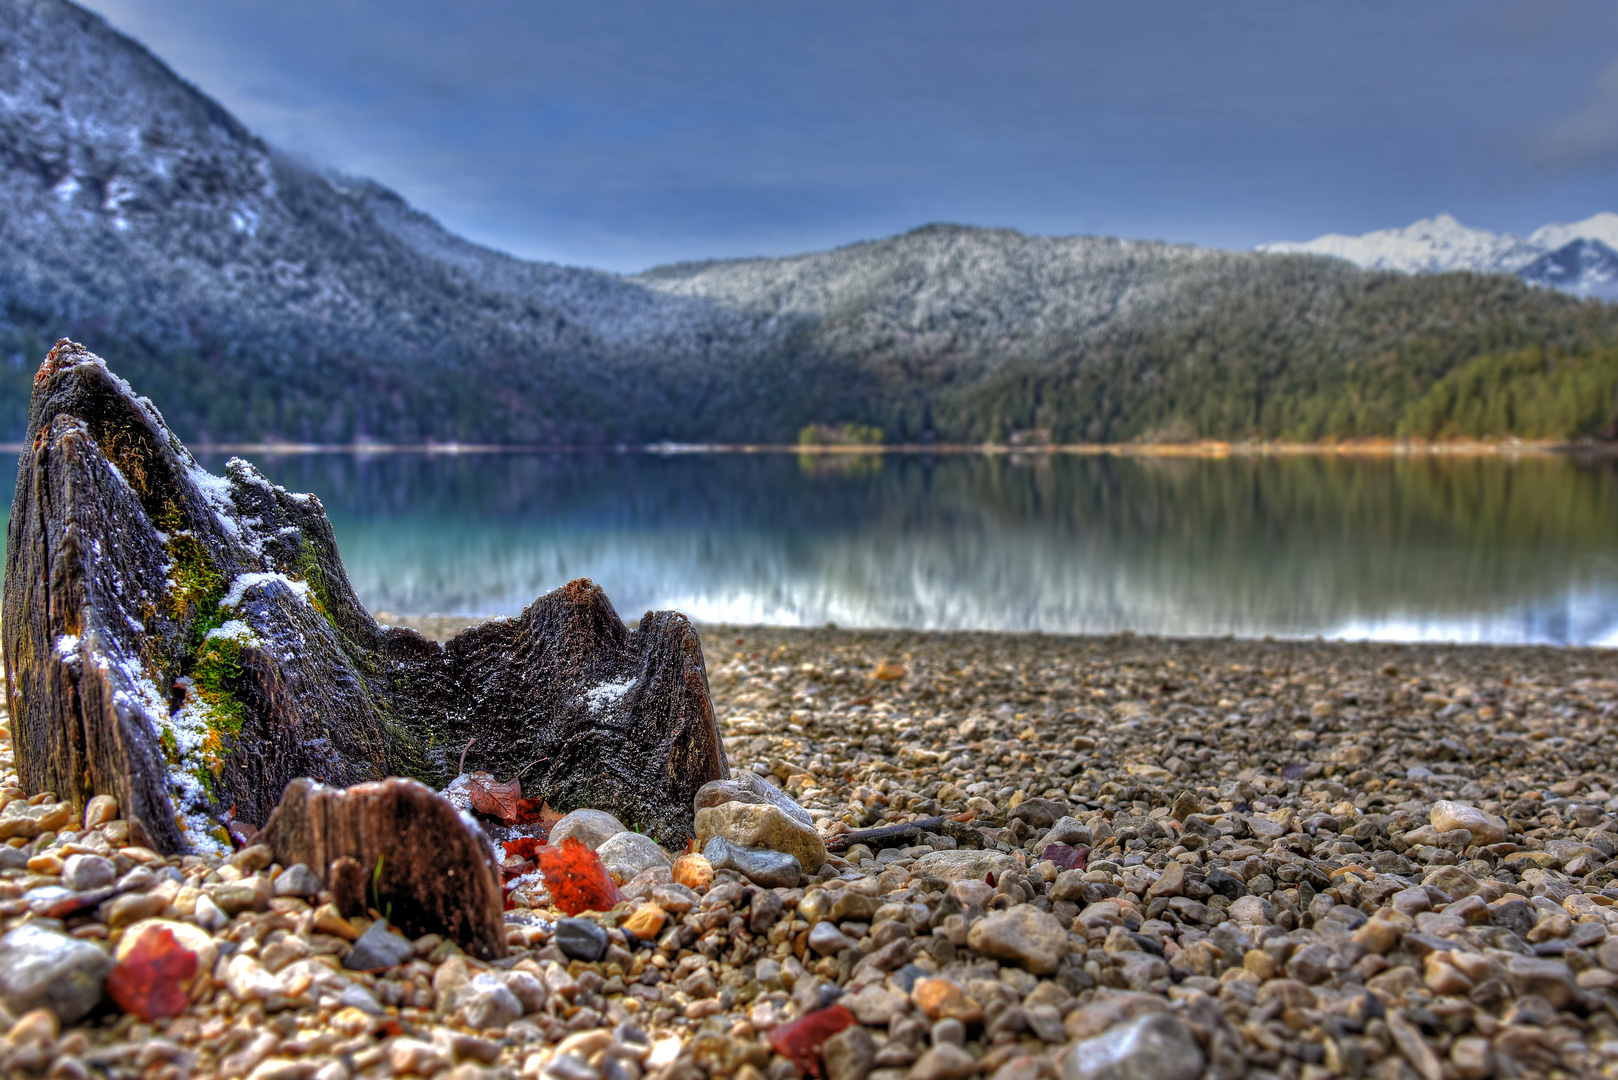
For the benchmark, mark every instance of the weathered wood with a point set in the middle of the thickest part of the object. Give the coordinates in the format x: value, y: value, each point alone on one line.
x: 905, y: 834
x: 188, y: 643
x: 400, y: 849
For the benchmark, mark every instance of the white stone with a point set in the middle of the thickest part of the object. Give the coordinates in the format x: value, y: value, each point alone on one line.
x: 630, y: 854
x: 968, y: 863
x: 592, y: 828
x: 1485, y: 828
x: 1155, y: 1047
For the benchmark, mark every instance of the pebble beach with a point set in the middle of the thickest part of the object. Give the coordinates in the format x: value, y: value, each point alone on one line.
x: 1163, y: 858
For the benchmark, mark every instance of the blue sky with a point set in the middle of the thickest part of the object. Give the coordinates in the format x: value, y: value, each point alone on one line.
x: 623, y: 135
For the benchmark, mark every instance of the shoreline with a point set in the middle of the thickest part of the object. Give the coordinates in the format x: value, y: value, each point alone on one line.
x: 442, y: 627
x: 1218, y: 858
x: 1207, y: 448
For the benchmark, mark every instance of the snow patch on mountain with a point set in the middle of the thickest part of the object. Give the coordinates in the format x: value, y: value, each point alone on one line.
x: 1573, y: 257
x: 1432, y: 245
x: 1586, y: 268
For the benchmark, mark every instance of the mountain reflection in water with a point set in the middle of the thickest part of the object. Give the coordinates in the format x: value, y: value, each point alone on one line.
x: 1470, y: 549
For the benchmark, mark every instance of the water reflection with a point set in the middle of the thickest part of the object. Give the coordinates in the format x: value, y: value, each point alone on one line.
x: 1475, y: 549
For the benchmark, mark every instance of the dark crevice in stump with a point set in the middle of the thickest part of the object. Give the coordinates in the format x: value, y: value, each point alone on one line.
x: 188, y: 643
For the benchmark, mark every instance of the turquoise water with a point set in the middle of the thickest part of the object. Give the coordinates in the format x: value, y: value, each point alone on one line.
x: 1472, y: 549
x: 1419, y: 549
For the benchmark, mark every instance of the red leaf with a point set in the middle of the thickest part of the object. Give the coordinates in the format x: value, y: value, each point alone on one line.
x: 492, y: 798
x: 801, y: 1040
x: 1067, y: 858
x: 523, y: 847
x: 575, y: 877
x: 536, y: 812
x: 149, y: 981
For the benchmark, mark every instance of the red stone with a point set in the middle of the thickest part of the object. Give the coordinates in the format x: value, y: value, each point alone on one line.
x: 149, y: 982
x: 575, y: 877
x: 801, y: 1040
x: 1067, y: 858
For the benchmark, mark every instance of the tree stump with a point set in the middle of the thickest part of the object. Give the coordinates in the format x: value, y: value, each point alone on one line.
x: 399, y: 849
x: 190, y: 643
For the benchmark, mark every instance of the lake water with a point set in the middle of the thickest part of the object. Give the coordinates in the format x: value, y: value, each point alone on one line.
x: 1467, y: 549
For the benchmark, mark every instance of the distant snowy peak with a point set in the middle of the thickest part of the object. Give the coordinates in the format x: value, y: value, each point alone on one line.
x: 1602, y: 228
x: 1572, y: 257
x: 1430, y: 246
x: 1582, y: 267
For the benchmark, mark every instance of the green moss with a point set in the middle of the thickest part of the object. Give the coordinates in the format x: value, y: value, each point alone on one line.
x: 215, y: 668
x: 206, y: 775
x: 196, y: 585
x: 313, y: 574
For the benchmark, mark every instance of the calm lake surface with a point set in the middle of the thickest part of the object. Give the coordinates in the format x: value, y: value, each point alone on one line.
x: 1452, y: 549
x: 1467, y: 549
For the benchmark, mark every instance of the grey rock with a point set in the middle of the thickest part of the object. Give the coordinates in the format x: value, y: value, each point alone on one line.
x: 630, y: 854
x: 297, y: 880
x: 1023, y: 934
x: 485, y: 1001
x: 1485, y: 828
x: 41, y: 968
x: 1549, y: 979
x: 592, y: 827
x: 849, y: 1054
x: 759, y: 865
x: 827, y: 940
x: 360, y: 998
x: 1039, y: 813
x: 83, y: 873
x: 1155, y: 1047
x: 748, y: 787
x: 956, y: 865
x: 764, y: 909
x: 1227, y: 885
x: 379, y: 947
x: 675, y: 899
x: 12, y: 858
x: 945, y: 1061
x: 1067, y: 830
x: 761, y: 825
x: 581, y: 939
x: 527, y: 989
x: 644, y: 882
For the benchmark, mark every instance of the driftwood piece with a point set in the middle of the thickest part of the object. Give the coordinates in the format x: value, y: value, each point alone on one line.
x: 905, y: 834
x: 190, y: 643
x: 398, y: 848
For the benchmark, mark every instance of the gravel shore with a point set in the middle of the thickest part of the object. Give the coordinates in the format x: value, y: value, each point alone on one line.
x: 1294, y: 859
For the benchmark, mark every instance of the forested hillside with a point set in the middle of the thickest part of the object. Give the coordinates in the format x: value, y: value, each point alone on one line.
x: 1303, y: 357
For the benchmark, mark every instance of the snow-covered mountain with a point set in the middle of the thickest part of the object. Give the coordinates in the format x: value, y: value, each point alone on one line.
x: 253, y: 296
x: 1582, y: 267
x: 1556, y: 256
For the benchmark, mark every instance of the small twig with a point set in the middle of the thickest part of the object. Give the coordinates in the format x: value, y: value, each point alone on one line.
x: 464, y: 749
x: 526, y: 767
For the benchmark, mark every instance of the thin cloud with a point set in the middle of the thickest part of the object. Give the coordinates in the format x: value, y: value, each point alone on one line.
x: 1590, y: 135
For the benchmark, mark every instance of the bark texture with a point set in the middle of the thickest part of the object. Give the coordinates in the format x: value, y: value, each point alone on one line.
x: 398, y: 848
x: 188, y: 643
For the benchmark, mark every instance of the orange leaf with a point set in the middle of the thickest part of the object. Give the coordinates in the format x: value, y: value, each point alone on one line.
x: 523, y: 847
x: 150, y: 981
x: 533, y: 812
x: 575, y: 877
